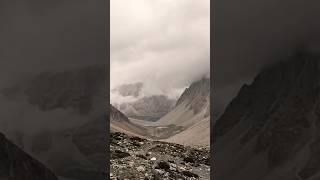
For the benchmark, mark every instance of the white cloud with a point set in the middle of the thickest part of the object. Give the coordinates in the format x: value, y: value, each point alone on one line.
x: 163, y: 43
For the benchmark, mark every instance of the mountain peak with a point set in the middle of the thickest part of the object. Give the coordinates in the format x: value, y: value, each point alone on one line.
x: 198, y: 90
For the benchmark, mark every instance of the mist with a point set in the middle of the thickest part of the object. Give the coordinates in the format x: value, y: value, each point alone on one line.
x: 163, y: 44
x: 47, y: 36
x: 251, y: 35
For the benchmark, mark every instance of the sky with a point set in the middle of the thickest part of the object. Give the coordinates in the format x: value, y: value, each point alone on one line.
x: 250, y: 35
x: 46, y: 35
x: 37, y: 35
x: 163, y: 43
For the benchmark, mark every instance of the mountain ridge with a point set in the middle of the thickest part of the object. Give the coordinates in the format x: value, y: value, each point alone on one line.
x: 270, y: 127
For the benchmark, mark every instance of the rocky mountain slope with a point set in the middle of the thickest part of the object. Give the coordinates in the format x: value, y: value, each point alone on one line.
x: 137, y: 158
x: 121, y: 123
x: 190, y: 115
x: 193, y: 104
x: 15, y: 164
x: 149, y: 108
x: 270, y: 131
x: 138, y: 106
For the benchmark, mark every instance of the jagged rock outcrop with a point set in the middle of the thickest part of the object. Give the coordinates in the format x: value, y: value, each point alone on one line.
x: 270, y: 130
x: 15, y: 164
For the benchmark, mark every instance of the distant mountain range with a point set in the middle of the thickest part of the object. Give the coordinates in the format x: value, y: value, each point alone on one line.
x: 187, y: 123
x: 150, y: 108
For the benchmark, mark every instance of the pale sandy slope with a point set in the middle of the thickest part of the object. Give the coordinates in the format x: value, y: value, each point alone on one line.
x: 198, y: 134
x: 182, y: 115
x: 128, y: 128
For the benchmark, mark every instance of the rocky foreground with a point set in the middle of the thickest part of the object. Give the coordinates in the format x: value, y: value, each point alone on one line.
x: 136, y: 158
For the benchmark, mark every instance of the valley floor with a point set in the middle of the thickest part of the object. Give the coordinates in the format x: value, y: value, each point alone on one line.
x: 136, y: 158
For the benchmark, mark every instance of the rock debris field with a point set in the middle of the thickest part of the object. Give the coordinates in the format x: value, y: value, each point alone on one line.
x: 135, y: 158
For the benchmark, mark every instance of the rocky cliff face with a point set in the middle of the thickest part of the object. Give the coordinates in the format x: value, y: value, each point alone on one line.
x: 270, y: 130
x: 17, y: 165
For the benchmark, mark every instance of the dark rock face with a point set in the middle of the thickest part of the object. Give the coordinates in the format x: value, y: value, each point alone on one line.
x: 276, y: 116
x: 155, y: 159
x: 17, y: 165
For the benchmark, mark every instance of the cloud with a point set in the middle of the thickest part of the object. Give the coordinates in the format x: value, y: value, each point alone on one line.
x: 37, y: 35
x: 42, y: 35
x: 249, y: 35
x: 163, y: 43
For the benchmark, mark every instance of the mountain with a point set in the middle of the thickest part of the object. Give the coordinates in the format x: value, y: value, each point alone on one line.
x: 62, y: 114
x: 193, y: 104
x: 121, y: 123
x: 190, y: 115
x: 270, y: 130
x: 18, y: 165
x: 129, y: 89
x: 144, y: 107
x: 150, y: 108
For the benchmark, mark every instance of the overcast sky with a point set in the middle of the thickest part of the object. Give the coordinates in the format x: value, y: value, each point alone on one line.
x: 37, y: 35
x: 249, y: 35
x: 162, y: 43
x: 41, y: 35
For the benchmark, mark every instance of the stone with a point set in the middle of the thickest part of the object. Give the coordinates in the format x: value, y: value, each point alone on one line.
x: 141, y: 169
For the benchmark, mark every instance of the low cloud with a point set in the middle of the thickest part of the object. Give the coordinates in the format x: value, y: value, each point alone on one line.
x: 164, y: 44
x: 250, y: 35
